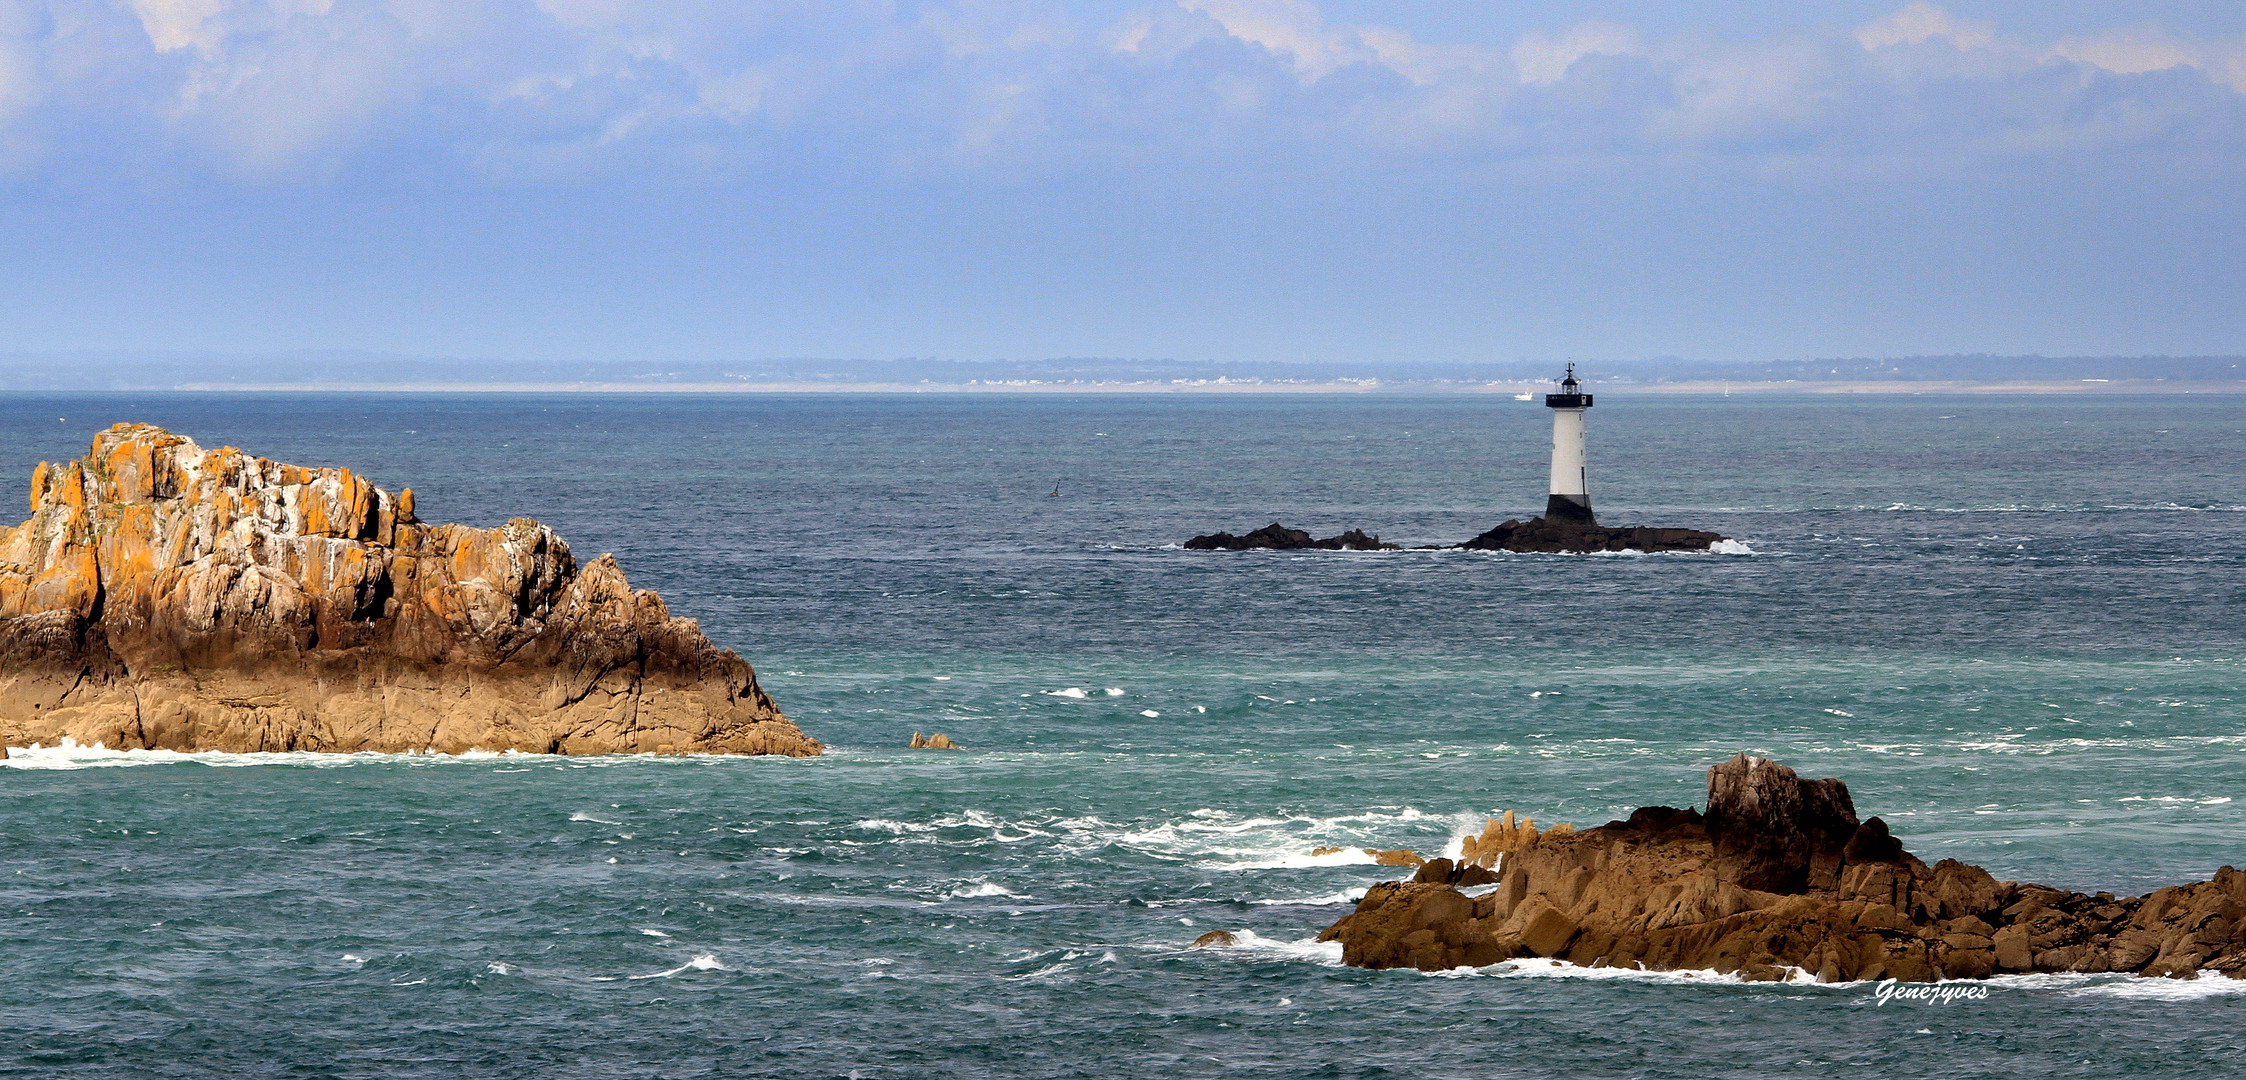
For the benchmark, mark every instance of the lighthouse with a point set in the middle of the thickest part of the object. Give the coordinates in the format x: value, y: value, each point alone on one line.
x: 1571, y: 496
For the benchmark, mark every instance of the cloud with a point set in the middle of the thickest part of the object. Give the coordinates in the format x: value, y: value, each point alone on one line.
x: 2139, y: 50
x: 552, y: 90
x: 2132, y: 51
x: 1920, y: 21
x: 1293, y: 28
x: 1543, y: 60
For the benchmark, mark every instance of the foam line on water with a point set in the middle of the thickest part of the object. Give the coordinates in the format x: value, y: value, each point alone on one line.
x: 981, y: 888
x: 702, y: 962
x: 1345, y: 896
x: 1326, y: 953
x: 68, y: 755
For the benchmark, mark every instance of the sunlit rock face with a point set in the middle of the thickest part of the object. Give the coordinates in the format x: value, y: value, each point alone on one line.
x: 166, y: 596
x: 1776, y: 879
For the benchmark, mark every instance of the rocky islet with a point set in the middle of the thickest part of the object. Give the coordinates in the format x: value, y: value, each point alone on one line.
x: 166, y: 596
x: 1277, y: 537
x: 1540, y: 534
x: 1777, y: 874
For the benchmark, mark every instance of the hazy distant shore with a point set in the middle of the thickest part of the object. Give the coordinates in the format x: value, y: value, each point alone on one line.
x: 350, y: 371
x: 1231, y: 386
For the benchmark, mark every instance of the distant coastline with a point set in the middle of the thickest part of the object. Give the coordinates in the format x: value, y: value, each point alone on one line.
x: 350, y: 371
x: 1232, y: 387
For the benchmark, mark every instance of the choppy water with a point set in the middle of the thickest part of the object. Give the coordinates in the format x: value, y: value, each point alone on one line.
x: 2012, y: 624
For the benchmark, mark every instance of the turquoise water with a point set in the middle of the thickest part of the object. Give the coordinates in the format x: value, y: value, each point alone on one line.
x: 2011, y: 624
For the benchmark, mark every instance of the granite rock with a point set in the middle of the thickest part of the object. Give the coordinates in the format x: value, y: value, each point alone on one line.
x: 1777, y: 876
x: 166, y: 596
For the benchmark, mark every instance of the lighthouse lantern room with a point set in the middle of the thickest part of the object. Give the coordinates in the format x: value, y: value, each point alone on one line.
x: 1571, y: 497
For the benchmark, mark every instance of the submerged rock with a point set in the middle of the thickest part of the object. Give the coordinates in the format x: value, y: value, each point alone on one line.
x: 938, y: 741
x: 1547, y: 535
x: 1216, y: 939
x: 1777, y: 874
x: 1277, y: 537
x: 167, y: 596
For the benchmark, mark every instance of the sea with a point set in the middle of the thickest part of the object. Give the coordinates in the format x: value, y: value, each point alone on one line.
x: 2015, y: 625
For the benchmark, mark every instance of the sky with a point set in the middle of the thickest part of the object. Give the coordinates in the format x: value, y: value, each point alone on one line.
x: 1359, y: 181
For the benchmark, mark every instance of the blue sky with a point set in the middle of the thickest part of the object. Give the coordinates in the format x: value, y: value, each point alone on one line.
x: 1350, y: 180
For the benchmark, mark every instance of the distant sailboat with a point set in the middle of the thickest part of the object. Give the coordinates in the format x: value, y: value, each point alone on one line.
x: 1524, y: 397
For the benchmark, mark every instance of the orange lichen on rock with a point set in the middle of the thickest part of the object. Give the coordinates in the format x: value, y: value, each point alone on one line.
x: 162, y: 595
x: 1777, y: 877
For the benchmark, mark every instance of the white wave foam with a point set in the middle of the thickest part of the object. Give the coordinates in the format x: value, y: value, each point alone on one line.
x: 981, y: 887
x: 583, y: 816
x: 1541, y: 968
x: 2208, y: 984
x: 1327, y: 953
x: 1731, y: 547
x: 1296, y: 860
x: 70, y: 755
x: 703, y: 962
x: 1346, y: 896
x: 893, y: 828
x: 1115, y: 691
x: 1219, y: 840
x: 1067, y: 692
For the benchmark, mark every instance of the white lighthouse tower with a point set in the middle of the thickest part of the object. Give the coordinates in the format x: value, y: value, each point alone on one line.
x: 1571, y: 496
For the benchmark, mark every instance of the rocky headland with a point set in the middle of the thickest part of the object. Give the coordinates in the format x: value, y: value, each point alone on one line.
x: 166, y: 596
x: 1776, y: 874
x: 1535, y: 535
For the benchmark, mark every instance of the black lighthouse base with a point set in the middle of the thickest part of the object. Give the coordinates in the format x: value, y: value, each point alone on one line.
x: 1568, y: 509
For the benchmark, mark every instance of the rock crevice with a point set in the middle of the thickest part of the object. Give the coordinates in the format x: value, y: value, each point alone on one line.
x: 166, y: 596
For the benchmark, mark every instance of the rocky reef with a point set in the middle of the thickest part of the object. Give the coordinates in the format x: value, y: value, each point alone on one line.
x: 1277, y: 537
x: 1536, y: 534
x: 167, y: 596
x: 1776, y: 874
x: 1547, y: 535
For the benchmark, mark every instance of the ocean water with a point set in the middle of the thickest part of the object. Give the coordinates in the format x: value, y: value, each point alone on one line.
x: 2012, y: 624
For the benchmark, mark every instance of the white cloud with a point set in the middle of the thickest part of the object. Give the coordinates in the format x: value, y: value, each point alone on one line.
x: 1542, y: 60
x: 178, y: 24
x: 269, y: 87
x: 2131, y: 51
x: 204, y: 25
x: 1745, y: 92
x: 1920, y: 21
x: 1298, y: 30
x: 1293, y: 27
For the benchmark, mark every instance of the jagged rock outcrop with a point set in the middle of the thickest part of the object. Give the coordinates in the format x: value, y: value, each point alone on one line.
x: 1546, y: 535
x: 1277, y: 537
x: 167, y: 596
x: 1778, y: 873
